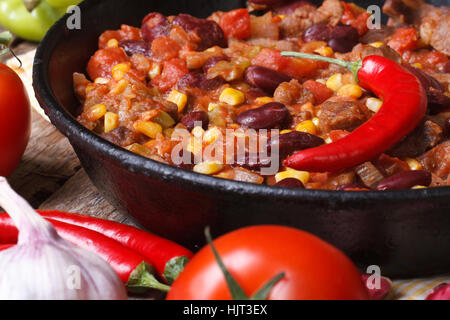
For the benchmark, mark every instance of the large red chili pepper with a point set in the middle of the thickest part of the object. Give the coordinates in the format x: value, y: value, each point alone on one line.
x: 129, y: 265
x: 168, y: 257
x: 404, y: 106
x: 6, y: 246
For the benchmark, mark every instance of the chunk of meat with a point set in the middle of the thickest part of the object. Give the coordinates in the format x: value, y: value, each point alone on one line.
x: 440, y: 39
x: 381, y: 34
x: 305, y: 16
x: 120, y: 136
x: 391, y: 165
x: 437, y: 160
x: 369, y: 174
x: 292, y: 92
x: 424, y: 137
x: 264, y: 27
x: 340, y: 115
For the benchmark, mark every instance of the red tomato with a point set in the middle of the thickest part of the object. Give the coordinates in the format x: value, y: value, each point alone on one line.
x: 236, y: 24
x: 15, y: 120
x: 293, y: 67
x: 165, y: 48
x: 173, y: 70
x: 313, y: 269
x: 320, y: 91
x: 126, y: 32
x: 404, y: 39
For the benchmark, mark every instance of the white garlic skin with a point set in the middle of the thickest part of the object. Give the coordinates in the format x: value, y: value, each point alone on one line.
x: 56, y: 270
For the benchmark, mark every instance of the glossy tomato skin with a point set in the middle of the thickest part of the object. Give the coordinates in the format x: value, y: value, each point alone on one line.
x: 15, y: 120
x: 313, y: 268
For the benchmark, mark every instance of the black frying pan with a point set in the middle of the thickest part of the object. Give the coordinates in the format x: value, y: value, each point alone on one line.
x: 405, y: 232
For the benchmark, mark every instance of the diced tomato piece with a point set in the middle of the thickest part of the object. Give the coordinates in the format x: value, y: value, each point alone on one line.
x: 172, y: 71
x: 336, y: 135
x: 356, y: 17
x: 165, y: 48
x: 236, y: 24
x: 293, y: 67
x: 435, y: 57
x: 320, y: 91
x: 404, y: 39
x: 102, y: 62
x: 125, y: 32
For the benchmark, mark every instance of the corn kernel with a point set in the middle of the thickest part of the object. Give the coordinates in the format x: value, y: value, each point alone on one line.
x: 208, y: 167
x: 194, y: 146
x: 418, y: 187
x: 168, y: 132
x: 164, y: 119
x: 282, y: 16
x: 232, y: 97
x: 350, y: 90
x: 120, y: 87
x: 413, y: 164
x: 307, y: 126
x: 139, y: 149
x: 303, y: 176
x: 212, y: 135
x: 180, y: 99
x: 101, y: 80
x: 374, y: 104
x: 263, y: 100
x: 198, y: 132
x: 285, y: 131
x: 111, y: 121
x: 315, y: 120
x: 149, y: 128
x: 112, y: 43
x: 376, y: 44
x: 119, y: 70
x: 418, y: 65
x: 155, y: 70
x: 335, y: 82
x: 212, y: 106
x: 96, y: 112
x: 325, y: 51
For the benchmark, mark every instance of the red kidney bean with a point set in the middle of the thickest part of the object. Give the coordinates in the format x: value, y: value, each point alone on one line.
x: 290, y: 183
x: 256, y: 162
x: 208, y: 31
x: 265, y: 79
x: 268, y: 116
x: 290, y: 142
x: 187, y: 165
x: 317, y: 32
x: 343, y: 38
x: 211, y: 62
x: 135, y: 46
x: 195, y: 116
x: 266, y: 2
x: 447, y: 67
x: 406, y: 180
x: 425, y: 79
x: 447, y: 127
x: 347, y: 186
x: 154, y: 25
x: 198, y: 80
x: 291, y: 7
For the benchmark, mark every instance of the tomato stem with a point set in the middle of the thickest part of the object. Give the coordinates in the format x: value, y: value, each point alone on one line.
x: 237, y: 293
x: 352, y: 66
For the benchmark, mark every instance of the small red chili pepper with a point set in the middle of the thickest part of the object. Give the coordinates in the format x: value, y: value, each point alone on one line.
x: 129, y: 265
x: 6, y: 246
x: 169, y: 258
x: 404, y: 106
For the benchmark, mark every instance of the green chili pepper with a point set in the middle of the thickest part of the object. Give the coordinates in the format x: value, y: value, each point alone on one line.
x: 30, y: 25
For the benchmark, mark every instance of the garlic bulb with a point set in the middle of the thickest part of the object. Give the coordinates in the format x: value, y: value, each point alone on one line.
x: 44, y: 266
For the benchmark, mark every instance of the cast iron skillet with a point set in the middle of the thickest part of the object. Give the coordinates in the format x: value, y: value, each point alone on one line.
x: 406, y: 233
